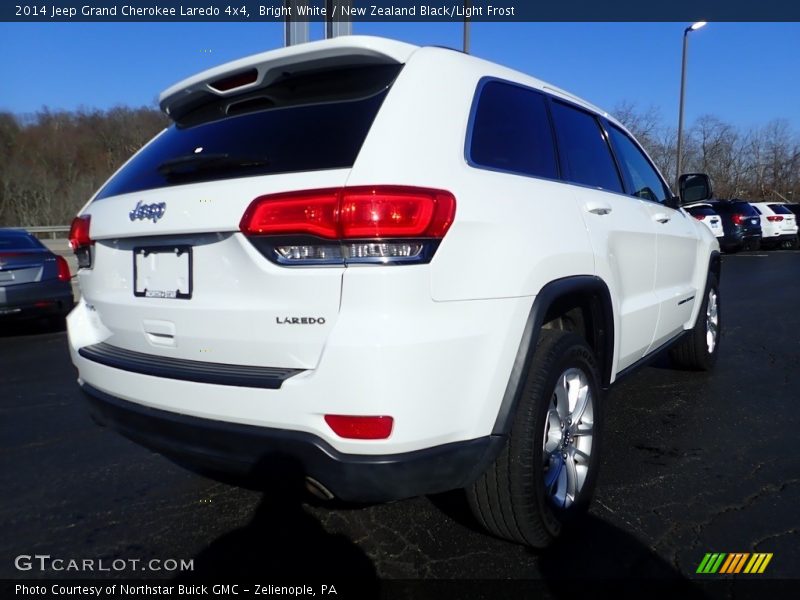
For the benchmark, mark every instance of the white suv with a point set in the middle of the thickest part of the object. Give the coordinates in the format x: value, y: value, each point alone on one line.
x: 778, y: 225
x: 406, y: 269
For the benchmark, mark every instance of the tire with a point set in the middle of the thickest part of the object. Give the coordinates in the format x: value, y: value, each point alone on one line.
x: 511, y: 499
x: 698, y: 351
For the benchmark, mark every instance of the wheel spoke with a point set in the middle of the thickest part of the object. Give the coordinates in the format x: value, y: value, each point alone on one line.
x: 582, y: 401
x: 572, y: 480
x: 584, y: 431
x: 561, y: 399
x: 574, y: 383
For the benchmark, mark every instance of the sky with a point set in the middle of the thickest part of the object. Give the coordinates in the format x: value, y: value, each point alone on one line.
x: 744, y: 73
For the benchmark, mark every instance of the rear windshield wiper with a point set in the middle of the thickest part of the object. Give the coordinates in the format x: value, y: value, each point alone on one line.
x: 191, y: 163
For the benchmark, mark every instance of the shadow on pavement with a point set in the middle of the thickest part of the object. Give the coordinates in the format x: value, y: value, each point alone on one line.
x: 594, y: 556
x: 32, y: 326
x: 598, y: 552
x: 283, y: 540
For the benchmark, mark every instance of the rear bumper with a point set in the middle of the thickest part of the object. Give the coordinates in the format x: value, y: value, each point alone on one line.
x: 247, y: 451
x: 35, y: 299
x: 779, y: 239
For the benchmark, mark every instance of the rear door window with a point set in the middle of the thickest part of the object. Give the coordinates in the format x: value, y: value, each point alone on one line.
x: 511, y: 131
x: 585, y: 155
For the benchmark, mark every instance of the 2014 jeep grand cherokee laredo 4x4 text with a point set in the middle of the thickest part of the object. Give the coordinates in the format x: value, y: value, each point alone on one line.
x: 408, y: 269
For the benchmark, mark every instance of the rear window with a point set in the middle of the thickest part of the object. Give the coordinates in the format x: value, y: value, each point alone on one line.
x: 701, y: 210
x: 297, y: 128
x: 19, y: 241
x: 779, y: 209
x: 511, y: 131
x: 745, y: 209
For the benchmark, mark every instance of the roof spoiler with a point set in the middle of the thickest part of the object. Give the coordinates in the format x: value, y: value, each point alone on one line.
x: 260, y: 70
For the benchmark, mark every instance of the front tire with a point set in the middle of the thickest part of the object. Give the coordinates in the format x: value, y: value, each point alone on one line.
x: 698, y: 351
x: 545, y: 476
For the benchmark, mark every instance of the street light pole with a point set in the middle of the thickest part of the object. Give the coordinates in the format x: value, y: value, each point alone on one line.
x: 679, y: 158
x: 466, y: 26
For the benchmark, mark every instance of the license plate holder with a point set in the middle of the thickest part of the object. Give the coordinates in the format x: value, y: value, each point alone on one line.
x: 162, y: 272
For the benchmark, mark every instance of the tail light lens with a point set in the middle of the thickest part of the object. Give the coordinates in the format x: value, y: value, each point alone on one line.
x: 80, y: 240
x: 699, y: 217
x: 383, y: 224
x: 775, y: 218
x: 737, y: 219
x: 63, y: 269
x: 360, y: 428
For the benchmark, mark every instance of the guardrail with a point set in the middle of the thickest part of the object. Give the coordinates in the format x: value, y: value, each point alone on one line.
x: 51, y: 231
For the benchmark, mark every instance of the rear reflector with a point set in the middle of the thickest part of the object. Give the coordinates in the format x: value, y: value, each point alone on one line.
x: 63, y: 269
x: 360, y: 428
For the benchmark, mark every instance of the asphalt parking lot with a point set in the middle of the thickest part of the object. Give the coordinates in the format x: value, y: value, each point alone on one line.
x: 692, y: 463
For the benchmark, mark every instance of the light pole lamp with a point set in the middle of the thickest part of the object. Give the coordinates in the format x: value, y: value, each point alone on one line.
x: 679, y: 158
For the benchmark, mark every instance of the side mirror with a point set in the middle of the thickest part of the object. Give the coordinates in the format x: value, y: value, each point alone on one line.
x: 694, y: 187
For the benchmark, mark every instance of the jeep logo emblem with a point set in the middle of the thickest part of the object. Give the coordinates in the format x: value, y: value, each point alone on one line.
x: 143, y: 212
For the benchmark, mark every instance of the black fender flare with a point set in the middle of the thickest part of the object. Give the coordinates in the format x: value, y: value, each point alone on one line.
x: 603, y: 316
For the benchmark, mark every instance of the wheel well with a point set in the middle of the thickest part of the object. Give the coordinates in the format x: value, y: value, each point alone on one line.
x: 580, y: 304
x: 583, y: 312
x: 715, y: 265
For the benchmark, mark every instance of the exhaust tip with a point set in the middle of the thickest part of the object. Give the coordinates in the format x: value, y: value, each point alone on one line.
x: 317, y: 489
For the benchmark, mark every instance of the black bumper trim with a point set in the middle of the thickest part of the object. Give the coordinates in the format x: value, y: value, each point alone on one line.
x: 222, y: 449
x: 187, y: 370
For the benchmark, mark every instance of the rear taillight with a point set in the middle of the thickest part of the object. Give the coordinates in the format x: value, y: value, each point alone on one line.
x: 360, y: 428
x: 699, y: 217
x: 775, y: 218
x: 737, y: 219
x: 80, y: 241
x: 63, y: 269
x: 383, y: 224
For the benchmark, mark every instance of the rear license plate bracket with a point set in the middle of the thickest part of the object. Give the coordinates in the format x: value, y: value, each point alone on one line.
x: 162, y: 272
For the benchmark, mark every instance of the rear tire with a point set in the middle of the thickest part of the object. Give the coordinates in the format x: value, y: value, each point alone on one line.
x: 545, y: 476
x: 699, y: 349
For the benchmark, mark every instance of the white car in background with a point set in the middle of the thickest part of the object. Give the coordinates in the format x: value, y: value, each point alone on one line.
x: 708, y: 217
x: 778, y: 225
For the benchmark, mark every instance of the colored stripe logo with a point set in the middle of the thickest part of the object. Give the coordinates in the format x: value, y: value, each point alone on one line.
x: 734, y: 563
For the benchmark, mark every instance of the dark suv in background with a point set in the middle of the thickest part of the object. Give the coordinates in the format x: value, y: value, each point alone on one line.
x: 740, y: 222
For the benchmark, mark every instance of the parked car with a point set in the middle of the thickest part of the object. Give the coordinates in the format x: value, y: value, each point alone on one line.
x: 740, y: 223
x: 34, y: 282
x: 406, y: 269
x: 778, y: 225
x: 706, y: 215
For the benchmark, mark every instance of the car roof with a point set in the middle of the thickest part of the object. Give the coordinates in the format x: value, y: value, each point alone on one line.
x: 351, y: 50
